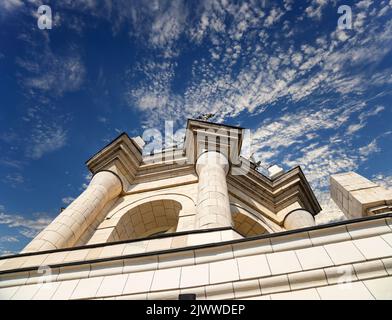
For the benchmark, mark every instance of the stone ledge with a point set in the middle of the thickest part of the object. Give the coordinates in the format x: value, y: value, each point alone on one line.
x: 245, y: 267
x: 168, y: 285
x: 288, y: 240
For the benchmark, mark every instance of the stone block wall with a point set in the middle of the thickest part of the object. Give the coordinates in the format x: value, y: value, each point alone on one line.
x: 356, y: 196
x: 348, y: 260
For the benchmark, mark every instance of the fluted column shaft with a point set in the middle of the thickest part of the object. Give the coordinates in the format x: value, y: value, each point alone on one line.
x: 213, y: 206
x: 70, y: 224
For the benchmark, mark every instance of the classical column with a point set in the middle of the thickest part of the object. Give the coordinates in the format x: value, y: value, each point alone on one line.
x: 297, y: 219
x: 70, y: 224
x: 213, y: 207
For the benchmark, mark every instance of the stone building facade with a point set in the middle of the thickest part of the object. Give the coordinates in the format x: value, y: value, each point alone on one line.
x: 202, y: 220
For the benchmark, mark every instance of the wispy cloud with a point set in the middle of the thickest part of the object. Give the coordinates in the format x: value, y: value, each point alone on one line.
x: 330, y: 211
x: 67, y: 200
x: 383, y: 180
x: 46, y: 131
x: 9, y: 5
x: 363, y: 118
x: 315, y: 139
x: 315, y: 10
x: 87, y: 178
x: 28, y: 227
x: 45, y: 140
x: 9, y: 137
x: 315, y: 87
x: 14, y: 179
x: 6, y: 252
x: 11, y: 163
x: 251, y: 68
x: 54, y: 74
x: 8, y: 239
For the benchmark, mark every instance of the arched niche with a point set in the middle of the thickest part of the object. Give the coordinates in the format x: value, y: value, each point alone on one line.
x: 246, y: 224
x: 147, y: 219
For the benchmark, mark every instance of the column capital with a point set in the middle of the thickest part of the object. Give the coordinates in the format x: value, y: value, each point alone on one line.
x: 201, y: 136
x: 122, y: 157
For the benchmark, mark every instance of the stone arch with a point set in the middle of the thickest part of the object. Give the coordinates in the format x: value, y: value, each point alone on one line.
x: 118, y: 225
x: 246, y: 223
x: 158, y: 216
x: 187, y: 203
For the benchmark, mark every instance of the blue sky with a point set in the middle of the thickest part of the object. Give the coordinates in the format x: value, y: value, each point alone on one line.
x: 312, y: 94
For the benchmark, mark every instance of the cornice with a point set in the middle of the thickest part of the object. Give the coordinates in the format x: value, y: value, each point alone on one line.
x: 276, y: 194
x: 124, y: 157
x: 121, y: 156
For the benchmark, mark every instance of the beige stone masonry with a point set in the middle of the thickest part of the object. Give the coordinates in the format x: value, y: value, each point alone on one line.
x: 122, y: 156
x: 251, y: 271
x: 161, y: 283
x: 356, y: 196
x: 298, y: 218
x: 213, y: 206
x: 69, y: 226
x: 339, y: 237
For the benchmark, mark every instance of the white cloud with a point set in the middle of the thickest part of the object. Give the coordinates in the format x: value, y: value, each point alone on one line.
x: 45, y: 140
x: 383, y: 11
x: 274, y: 16
x: 102, y: 119
x: 364, y: 4
x: 266, y: 74
x: 29, y: 227
x: 156, y: 24
x: 314, y: 11
x: 46, y: 70
x: 291, y: 128
x: 297, y: 58
x: 8, y: 239
x: 330, y: 211
x: 10, y: 5
x: 316, y: 86
x: 6, y: 252
x: 87, y: 178
x: 383, y: 180
x: 288, y: 4
x: 375, y: 111
x: 320, y: 161
x: 316, y: 139
x: 270, y: 72
x: 13, y: 179
x: 363, y: 119
x: 168, y: 25
x: 55, y: 75
x: 369, y: 149
x: 67, y: 200
x: 355, y: 127
x: 12, y: 163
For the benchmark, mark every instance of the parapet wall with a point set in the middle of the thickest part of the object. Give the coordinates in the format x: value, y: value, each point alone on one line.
x: 345, y: 260
x: 357, y: 197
